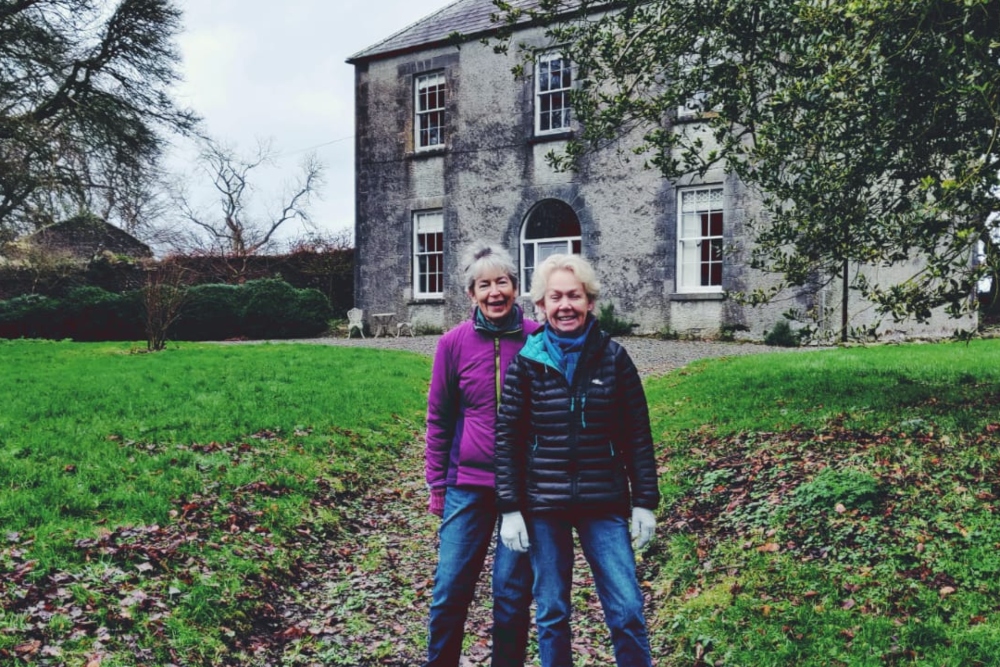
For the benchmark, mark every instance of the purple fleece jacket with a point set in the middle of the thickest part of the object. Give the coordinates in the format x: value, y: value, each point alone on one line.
x: 462, y: 403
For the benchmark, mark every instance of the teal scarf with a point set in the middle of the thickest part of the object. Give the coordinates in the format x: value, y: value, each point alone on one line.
x: 509, y: 325
x: 565, y: 350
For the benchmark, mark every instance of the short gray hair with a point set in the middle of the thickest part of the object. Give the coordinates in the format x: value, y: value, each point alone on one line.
x: 575, y: 264
x: 480, y: 257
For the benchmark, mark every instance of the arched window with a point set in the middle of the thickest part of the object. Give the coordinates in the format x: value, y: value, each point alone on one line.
x: 550, y: 227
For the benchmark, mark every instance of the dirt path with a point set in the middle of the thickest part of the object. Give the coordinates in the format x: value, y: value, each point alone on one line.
x: 366, y: 602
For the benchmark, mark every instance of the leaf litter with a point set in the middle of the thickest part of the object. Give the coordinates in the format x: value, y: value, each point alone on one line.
x: 358, y: 595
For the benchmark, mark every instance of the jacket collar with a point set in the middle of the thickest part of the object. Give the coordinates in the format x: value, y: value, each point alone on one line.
x: 534, y: 347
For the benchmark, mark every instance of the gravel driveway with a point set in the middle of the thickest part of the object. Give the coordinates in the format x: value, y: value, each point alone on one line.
x: 651, y: 356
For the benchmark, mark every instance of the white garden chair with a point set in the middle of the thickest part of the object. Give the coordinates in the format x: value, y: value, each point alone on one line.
x: 356, y: 320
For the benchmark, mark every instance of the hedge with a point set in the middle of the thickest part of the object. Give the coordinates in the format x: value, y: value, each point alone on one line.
x: 259, y: 309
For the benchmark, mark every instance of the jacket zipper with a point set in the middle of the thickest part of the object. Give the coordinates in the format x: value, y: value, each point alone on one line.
x: 574, y: 441
x: 496, y: 372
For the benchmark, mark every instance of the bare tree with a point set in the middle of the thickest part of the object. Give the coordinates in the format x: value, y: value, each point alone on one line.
x: 163, y: 295
x: 236, y: 228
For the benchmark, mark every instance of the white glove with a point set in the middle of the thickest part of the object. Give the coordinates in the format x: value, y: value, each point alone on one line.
x: 643, y: 526
x: 513, y: 532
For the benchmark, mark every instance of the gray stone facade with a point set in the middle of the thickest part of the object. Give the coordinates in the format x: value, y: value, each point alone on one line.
x: 490, y: 174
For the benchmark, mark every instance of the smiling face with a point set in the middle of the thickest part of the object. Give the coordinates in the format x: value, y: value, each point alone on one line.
x: 566, y: 303
x: 493, y: 292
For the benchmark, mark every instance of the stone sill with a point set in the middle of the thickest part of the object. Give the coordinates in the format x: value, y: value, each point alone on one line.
x: 698, y: 296
x: 438, y: 151
x: 553, y: 136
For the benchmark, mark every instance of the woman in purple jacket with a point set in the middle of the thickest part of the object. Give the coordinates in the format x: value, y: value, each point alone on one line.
x: 462, y: 405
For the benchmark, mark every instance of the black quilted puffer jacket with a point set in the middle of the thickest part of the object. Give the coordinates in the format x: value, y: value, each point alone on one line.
x: 584, y: 447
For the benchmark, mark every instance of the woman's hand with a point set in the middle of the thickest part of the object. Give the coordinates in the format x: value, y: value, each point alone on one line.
x: 435, y: 505
x: 643, y: 526
x: 514, y: 532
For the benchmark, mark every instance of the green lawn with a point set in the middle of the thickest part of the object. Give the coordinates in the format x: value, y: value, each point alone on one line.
x: 200, y: 464
x: 831, y: 507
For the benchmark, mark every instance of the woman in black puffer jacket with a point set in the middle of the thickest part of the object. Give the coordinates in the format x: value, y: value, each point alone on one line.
x: 574, y: 452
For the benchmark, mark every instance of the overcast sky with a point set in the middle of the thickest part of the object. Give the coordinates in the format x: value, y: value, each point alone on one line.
x: 260, y: 69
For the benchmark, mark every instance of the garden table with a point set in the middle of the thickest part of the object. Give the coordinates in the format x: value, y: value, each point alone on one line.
x: 383, y: 322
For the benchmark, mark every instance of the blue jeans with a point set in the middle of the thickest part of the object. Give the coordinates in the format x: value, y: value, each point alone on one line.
x: 467, y: 528
x: 608, y: 549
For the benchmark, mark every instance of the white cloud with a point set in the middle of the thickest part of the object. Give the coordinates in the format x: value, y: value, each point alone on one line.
x: 256, y: 69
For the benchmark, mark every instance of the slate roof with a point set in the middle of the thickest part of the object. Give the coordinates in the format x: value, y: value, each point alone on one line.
x: 471, y: 18
x: 85, y: 235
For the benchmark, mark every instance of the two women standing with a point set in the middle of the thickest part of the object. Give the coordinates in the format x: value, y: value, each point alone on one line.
x: 572, y: 449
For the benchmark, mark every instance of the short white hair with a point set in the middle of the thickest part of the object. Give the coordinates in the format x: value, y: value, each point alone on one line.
x: 481, y: 257
x: 575, y: 264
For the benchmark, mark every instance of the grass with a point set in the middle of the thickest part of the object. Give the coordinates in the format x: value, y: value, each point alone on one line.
x: 213, y: 454
x: 830, y: 508
x: 821, y: 508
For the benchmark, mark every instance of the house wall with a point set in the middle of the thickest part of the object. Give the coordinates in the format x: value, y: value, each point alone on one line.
x: 490, y: 173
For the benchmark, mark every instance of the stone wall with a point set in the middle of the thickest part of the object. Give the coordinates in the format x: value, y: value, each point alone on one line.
x: 492, y: 170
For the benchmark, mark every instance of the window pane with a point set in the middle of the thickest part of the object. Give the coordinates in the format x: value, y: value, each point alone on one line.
x: 700, y: 228
x: 552, y: 218
x: 554, y: 78
x: 547, y: 249
x: 690, y: 226
x: 428, y: 264
x: 715, y: 224
x: 430, y: 102
x: 552, y: 227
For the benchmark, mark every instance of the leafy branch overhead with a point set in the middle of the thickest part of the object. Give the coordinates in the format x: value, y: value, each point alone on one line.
x: 871, y: 127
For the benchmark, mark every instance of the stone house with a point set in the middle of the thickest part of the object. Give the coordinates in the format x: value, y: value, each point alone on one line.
x: 450, y: 148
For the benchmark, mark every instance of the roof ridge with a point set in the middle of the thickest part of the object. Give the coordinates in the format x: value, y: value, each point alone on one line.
x: 373, y: 47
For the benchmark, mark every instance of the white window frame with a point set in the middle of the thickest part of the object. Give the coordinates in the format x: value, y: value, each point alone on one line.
x: 428, y: 254
x: 540, y: 250
x: 428, y: 111
x: 693, y: 231
x: 694, y: 106
x: 545, y: 93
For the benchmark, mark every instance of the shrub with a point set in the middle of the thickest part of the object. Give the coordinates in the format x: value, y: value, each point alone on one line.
x: 612, y: 324
x: 28, y: 316
x: 210, y: 312
x: 93, y: 314
x: 274, y: 309
x: 782, y: 335
x: 265, y: 308
x: 312, y: 313
x: 268, y: 309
